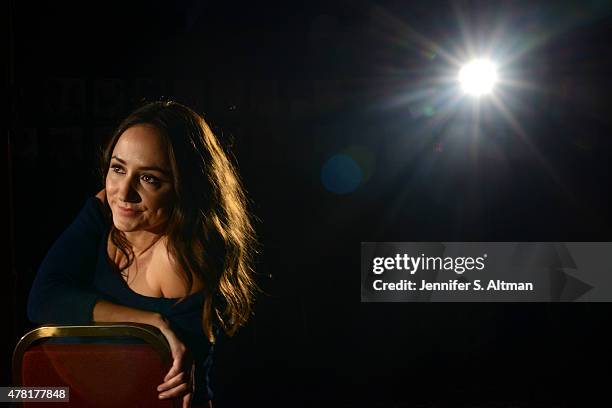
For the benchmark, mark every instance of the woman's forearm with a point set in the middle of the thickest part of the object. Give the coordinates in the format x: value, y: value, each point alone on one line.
x: 105, y: 311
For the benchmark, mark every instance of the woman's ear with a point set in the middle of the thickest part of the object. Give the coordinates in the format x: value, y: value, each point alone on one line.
x: 102, y: 196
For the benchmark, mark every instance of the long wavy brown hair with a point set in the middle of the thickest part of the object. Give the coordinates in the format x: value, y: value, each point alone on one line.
x: 210, y: 233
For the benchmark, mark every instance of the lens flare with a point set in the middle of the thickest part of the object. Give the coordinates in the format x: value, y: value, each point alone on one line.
x: 341, y: 174
x: 478, y: 77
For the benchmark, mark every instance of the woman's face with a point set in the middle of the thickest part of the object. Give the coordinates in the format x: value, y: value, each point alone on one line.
x: 139, y: 186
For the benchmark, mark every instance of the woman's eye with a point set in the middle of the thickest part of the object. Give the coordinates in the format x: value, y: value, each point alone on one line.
x: 149, y: 179
x: 117, y: 169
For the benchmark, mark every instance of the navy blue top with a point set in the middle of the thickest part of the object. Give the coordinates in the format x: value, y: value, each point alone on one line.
x: 75, y: 274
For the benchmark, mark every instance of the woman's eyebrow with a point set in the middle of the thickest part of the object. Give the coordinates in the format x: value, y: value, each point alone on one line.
x: 155, y: 168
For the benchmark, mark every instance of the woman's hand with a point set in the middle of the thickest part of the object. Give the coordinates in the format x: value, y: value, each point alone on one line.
x: 178, y: 383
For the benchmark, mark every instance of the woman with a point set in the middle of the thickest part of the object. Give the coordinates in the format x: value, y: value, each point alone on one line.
x: 168, y: 242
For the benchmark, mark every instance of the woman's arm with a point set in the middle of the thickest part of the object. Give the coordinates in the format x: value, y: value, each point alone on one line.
x: 105, y: 311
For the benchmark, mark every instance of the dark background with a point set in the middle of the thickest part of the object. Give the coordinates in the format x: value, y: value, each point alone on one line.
x: 288, y: 85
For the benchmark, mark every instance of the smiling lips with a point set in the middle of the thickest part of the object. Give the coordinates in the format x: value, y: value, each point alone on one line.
x: 128, y: 212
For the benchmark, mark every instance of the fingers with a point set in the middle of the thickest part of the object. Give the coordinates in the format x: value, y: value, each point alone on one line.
x: 177, y: 386
x: 173, y: 382
x: 178, y: 391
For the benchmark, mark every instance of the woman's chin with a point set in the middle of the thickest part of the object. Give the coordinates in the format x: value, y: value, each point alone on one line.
x: 125, y: 227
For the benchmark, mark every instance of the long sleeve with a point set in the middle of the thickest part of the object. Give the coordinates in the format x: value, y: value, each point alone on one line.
x: 62, y: 291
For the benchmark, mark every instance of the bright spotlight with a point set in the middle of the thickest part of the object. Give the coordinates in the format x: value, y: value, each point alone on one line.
x: 478, y: 77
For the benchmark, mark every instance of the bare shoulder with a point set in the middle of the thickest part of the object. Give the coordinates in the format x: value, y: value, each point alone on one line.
x: 168, y: 275
x: 102, y: 195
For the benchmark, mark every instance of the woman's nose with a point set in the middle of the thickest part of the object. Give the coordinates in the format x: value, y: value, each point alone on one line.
x: 127, y: 191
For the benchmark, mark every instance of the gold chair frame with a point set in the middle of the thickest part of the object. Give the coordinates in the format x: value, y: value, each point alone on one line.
x: 149, y: 334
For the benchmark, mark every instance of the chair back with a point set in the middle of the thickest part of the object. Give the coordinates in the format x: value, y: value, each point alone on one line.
x: 103, y: 365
